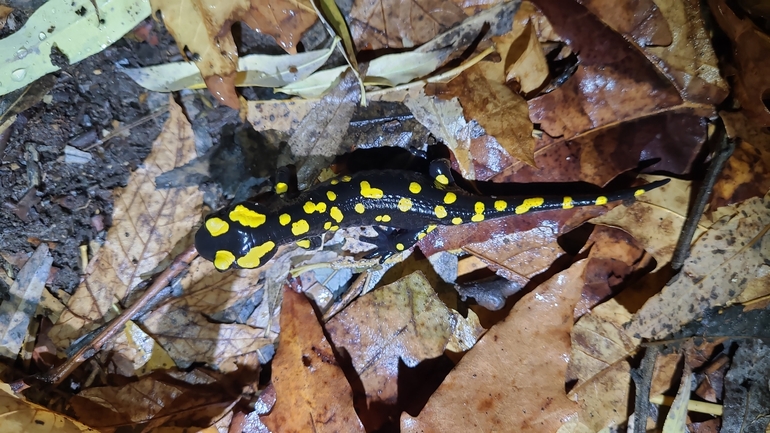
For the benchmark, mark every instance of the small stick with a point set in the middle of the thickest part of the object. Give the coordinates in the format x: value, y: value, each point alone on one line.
x: 642, y: 377
x: 58, y: 374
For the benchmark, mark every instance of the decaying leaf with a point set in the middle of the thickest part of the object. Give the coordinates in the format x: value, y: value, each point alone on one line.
x: 148, y: 225
x: 20, y: 416
x: 202, y: 30
x: 722, y: 263
x: 377, y: 24
x: 403, y: 322
x: 640, y: 20
x: 306, y: 376
x: 520, y: 363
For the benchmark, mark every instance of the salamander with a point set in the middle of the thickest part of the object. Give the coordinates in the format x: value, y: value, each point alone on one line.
x: 246, y: 235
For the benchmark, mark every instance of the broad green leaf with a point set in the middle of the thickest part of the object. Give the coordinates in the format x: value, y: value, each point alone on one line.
x: 76, y: 28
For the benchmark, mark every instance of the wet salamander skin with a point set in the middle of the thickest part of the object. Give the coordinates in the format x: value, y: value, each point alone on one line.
x: 246, y: 235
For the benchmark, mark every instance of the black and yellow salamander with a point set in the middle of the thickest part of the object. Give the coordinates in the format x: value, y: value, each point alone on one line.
x: 246, y: 235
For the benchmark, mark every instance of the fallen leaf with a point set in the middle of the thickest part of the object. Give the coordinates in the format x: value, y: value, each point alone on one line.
x: 148, y: 224
x: 689, y: 61
x: 520, y: 363
x: 746, y: 173
x: 21, y: 416
x: 721, y: 264
x: 77, y: 30
x: 613, y: 82
x: 530, y: 67
x: 403, y: 322
x: 503, y: 114
x: 750, y: 46
x: 676, y: 420
x: 312, y: 392
x: 4, y: 12
x: 183, y: 327
x: 641, y: 20
x: 21, y: 301
x: 377, y: 24
x: 746, y: 399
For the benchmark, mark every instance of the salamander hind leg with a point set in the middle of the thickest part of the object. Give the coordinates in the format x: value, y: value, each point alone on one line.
x: 390, y: 241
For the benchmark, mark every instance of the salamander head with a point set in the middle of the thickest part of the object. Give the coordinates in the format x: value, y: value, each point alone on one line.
x: 236, y: 237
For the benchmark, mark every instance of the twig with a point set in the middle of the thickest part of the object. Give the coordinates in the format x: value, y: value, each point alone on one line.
x: 642, y: 377
x: 682, y: 250
x: 58, y: 374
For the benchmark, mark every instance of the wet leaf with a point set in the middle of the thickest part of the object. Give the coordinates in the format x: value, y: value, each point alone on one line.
x: 20, y: 416
x: 641, y: 20
x: 148, y: 225
x: 403, y: 322
x: 312, y: 392
x: 377, y: 24
x: 520, y: 363
x: 721, y: 264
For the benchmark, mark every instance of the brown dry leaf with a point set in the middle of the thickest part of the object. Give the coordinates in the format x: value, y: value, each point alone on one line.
x: 666, y: 373
x: 157, y: 400
x: 202, y: 28
x: 503, y: 114
x: 513, y: 379
x: 689, y: 61
x: 722, y: 263
x: 377, y: 24
x: 183, y: 326
x: 149, y: 225
x: 640, y: 20
x: 656, y: 218
x: 751, y: 46
x: 530, y: 68
x: 4, y: 12
x: 20, y: 416
x: 312, y: 391
x: 747, y: 173
x: 401, y: 322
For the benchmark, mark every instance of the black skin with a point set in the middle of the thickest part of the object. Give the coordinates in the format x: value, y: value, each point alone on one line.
x: 400, y: 199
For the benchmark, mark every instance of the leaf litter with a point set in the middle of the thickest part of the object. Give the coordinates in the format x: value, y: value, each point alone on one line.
x: 564, y: 354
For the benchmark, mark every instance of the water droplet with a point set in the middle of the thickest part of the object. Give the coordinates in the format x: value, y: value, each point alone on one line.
x: 21, y: 53
x: 42, y: 36
x: 19, y: 74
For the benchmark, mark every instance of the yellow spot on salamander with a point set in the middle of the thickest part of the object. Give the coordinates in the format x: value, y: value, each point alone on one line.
x: 450, y: 198
x: 223, y: 260
x: 284, y: 219
x: 217, y: 226
x: 500, y: 205
x: 304, y: 243
x: 334, y: 181
x: 253, y: 258
x: 457, y: 220
x: 311, y: 207
x: 421, y: 235
x: 400, y: 246
x: 479, y: 207
x: 359, y: 208
x: 405, y: 204
x: 528, y: 204
x: 477, y: 218
x: 386, y: 218
x: 334, y: 228
x: 415, y: 188
x: 369, y: 192
x: 442, y: 179
x: 327, y: 225
x: 300, y: 227
x: 247, y: 217
x: 440, y: 211
x: 638, y: 192
x: 335, y: 213
x: 378, y: 218
x: 331, y: 195
x: 345, y: 178
x: 567, y: 203
x: 281, y: 187
x: 601, y: 200
x: 430, y: 228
